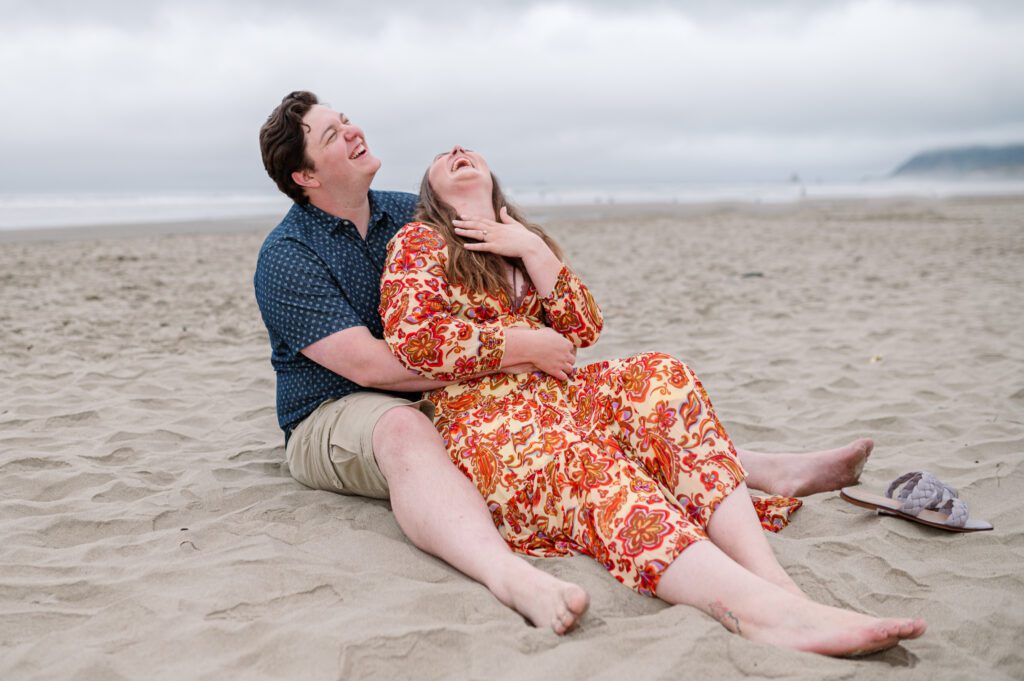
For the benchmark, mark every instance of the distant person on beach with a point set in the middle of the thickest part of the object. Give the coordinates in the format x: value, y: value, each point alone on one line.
x: 351, y: 412
x: 624, y: 460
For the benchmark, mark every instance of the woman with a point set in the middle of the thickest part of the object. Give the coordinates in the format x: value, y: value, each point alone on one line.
x: 624, y: 461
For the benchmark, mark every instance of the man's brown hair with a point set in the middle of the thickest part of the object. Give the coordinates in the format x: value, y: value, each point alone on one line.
x: 283, y: 143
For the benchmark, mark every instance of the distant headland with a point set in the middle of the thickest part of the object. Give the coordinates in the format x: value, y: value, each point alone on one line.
x: 966, y: 162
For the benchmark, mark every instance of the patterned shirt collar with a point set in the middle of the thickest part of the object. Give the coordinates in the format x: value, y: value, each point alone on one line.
x: 378, y: 212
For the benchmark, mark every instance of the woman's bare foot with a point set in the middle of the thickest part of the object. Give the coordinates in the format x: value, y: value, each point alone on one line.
x: 704, y: 576
x: 799, y: 475
x: 812, y: 627
x: 544, y: 600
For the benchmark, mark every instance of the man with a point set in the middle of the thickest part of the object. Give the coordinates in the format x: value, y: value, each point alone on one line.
x: 348, y: 426
x: 351, y: 413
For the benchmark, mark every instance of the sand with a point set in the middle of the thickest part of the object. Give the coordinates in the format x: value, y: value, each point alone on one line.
x: 150, y: 530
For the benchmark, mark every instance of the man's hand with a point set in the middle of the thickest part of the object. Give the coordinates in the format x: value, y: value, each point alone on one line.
x: 553, y: 353
x: 544, y: 349
x: 524, y: 368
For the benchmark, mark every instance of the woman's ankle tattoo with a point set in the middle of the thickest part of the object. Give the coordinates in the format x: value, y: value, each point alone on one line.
x: 725, y: 616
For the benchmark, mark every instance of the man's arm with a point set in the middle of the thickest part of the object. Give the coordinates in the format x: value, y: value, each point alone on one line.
x: 355, y: 354
x: 298, y: 299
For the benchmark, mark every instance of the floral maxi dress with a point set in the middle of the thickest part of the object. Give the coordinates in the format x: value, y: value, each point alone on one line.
x: 625, y: 462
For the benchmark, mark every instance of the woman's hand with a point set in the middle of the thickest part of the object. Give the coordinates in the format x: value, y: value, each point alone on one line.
x: 505, y: 237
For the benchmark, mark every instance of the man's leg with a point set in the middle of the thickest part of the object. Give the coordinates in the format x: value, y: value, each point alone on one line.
x: 442, y: 513
x: 798, y: 475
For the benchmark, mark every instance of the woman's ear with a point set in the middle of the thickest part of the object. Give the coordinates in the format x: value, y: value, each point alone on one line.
x: 305, y: 178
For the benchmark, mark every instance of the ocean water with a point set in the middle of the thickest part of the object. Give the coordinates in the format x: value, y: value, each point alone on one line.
x: 763, y: 192
x: 31, y: 211
x: 40, y: 211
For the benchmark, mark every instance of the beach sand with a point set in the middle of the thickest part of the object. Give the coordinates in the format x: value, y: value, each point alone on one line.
x: 149, y: 528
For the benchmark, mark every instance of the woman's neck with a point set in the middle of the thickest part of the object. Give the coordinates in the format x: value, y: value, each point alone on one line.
x: 473, y: 206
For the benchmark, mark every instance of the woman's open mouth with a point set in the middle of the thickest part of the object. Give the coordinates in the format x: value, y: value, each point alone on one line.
x: 461, y: 162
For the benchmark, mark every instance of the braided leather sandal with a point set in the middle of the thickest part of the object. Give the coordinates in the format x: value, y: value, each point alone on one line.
x: 921, y: 498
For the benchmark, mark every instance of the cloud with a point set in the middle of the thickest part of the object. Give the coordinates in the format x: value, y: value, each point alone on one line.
x: 170, y: 95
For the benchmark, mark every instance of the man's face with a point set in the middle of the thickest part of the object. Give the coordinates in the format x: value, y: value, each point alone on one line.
x: 338, y: 150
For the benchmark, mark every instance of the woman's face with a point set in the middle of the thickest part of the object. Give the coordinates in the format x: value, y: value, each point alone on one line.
x: 459, y: 172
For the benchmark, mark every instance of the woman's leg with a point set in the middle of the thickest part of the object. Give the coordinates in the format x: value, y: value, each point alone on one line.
x: 647, y: 542
x: 668, y: 425
x: 655, y: 407
x: 613, y: 511
x: 635, y: 388
x: 737, y: 579
x: 704, y: 577
x: 735, y: 529
x: 798, y: 475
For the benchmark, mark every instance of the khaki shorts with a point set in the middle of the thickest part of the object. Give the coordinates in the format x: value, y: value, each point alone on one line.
x: 332, y: 448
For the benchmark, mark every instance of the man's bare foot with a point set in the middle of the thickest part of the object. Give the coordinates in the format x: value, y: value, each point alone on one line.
x: 544, y: 600
x: 816, y: 628
x: 799, y: 475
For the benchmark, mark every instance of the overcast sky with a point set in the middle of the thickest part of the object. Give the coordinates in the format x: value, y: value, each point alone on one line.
x: 130, y: 96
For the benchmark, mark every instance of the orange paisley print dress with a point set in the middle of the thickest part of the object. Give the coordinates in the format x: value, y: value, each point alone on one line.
x: 625, y: 462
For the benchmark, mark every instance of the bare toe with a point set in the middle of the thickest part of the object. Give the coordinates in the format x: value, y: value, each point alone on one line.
x: 863, y: 449
x: 913, y: 629
x: 577, y: 600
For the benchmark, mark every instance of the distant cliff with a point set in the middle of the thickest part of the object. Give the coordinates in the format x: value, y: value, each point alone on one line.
x: 1005, y: 161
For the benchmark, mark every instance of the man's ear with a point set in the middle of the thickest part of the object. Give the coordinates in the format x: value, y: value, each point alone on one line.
x: 304, y: 178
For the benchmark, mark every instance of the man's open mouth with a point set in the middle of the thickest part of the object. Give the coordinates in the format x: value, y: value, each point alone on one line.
x: 358, y: 151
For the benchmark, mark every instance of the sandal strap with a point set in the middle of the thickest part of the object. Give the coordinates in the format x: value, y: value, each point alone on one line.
x: 957, y: 510
x: 920, y: 491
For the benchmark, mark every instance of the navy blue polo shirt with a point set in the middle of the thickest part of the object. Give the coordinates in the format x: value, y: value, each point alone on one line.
x: 316, y: 276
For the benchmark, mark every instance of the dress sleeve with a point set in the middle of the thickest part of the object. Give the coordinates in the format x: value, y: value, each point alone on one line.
x: 571, y: 310
x: 419, y: 314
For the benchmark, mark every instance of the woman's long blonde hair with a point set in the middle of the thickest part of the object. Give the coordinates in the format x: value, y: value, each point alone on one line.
x: 476, y: 270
